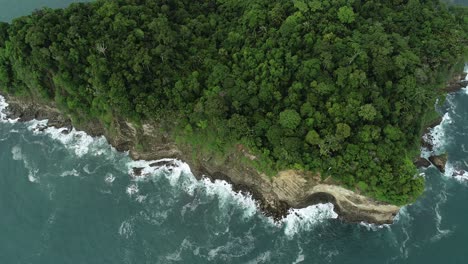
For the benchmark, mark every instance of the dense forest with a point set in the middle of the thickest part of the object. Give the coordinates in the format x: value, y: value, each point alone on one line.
x: 340, y: 87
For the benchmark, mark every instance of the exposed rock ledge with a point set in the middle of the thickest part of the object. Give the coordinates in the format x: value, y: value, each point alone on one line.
x: 275, y: 196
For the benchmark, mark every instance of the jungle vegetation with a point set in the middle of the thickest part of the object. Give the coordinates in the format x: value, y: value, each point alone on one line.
x: 340, y: 87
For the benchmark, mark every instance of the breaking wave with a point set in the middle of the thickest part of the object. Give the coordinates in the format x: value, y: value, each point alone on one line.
x: 17, y: 154
x: 438, y: 136
x: 307, y: 218
x: 177, y: 173
x: 3, y: 115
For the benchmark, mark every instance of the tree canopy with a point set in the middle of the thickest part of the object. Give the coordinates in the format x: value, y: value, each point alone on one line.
x: 338, y: 87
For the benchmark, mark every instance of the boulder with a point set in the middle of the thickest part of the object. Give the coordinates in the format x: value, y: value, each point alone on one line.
x: 439, y: 161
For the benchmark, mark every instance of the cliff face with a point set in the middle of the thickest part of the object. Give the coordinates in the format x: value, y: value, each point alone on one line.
x: 275, y: 196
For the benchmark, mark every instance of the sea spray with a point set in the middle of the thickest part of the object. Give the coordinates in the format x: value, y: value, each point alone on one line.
x: 17, y: 154
x: 437, y: 136
x: 178, y: 174
x: 3, y: 109
x: 78, y: 141
x: 305, y: 219
x: 373, y: 227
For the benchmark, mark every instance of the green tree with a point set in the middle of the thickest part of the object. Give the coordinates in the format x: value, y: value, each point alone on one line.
x: 346, y: 14
x: 289, y: 119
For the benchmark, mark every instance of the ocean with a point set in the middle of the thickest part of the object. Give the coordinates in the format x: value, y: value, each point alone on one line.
x: 70, y: 198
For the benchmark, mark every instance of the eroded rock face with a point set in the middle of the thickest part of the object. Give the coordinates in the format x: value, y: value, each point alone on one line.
x: 456, y: 83
x: 27, y: 110
x: 300, y: 190
x: 275, y: 196
x: 439, y: 161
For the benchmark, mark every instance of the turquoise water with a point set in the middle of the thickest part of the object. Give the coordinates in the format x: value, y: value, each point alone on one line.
x: 71, y: 199
x: 10, y: 9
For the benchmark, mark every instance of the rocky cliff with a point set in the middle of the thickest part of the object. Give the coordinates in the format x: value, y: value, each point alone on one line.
x: 275, y: 196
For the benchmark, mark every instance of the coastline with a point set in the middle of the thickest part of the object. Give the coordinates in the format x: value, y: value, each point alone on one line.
x: 274, y: 196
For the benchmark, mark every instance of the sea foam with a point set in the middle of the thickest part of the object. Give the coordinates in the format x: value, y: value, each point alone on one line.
x: 305, y: 219
x: 437, y: 135
x: 3, y: 115
x: 178, y: 174
x: 77, y: 141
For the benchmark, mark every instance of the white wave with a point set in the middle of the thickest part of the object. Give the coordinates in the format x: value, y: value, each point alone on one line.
x: 81, y: 143
x: 146, y: 169
x: 464, y: 148
x: 404, y: 220
x: 77, y: 141
x: 70, y: 173
x: 462, y: 177
x: 402, y: 215
x: 126, y: 229
x: 179, y: 175
x: 32, y: 175
x: 466, y: 79
x: 437, y: 135
x: 234, y: 248
x: 449, y: 169
x: 373, y: 227
x: 264, y: 257
x: 191, y: 206
x: 457, y: 174
x: 438, y: 217
x: 425, y: 153
x: 155, y: 217
x: 403, y: 249
x: 300, y: 256
x: 175, y: 256
x: 140, y: 198
x: 225, y: 194
x: 86, y: 169
x: 132, y: 189
x: 109, y: 178
x: 3, y: 115
x: 17, y: 153
x: 305, y: 219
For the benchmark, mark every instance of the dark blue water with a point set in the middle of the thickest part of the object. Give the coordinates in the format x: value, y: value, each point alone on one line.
x: 70, y: 199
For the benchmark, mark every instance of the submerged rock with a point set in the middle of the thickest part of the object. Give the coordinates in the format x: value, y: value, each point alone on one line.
x: 439, y: 161
x: 137, y: 171
x: 161, y: 163
x: 459, y: 173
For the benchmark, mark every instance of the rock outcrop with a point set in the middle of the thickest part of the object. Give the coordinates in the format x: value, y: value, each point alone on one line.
x: 456, y: 83
x: 439, y: 161
x: 275, y: 195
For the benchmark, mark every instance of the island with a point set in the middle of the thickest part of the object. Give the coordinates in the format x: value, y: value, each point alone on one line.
x: 294, y: 102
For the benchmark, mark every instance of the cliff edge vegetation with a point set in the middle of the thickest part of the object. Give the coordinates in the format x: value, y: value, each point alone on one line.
x: 340, y: 88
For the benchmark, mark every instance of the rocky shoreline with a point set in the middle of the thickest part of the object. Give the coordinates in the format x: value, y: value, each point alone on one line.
x: 274, y: 196
x: 439, y: 160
